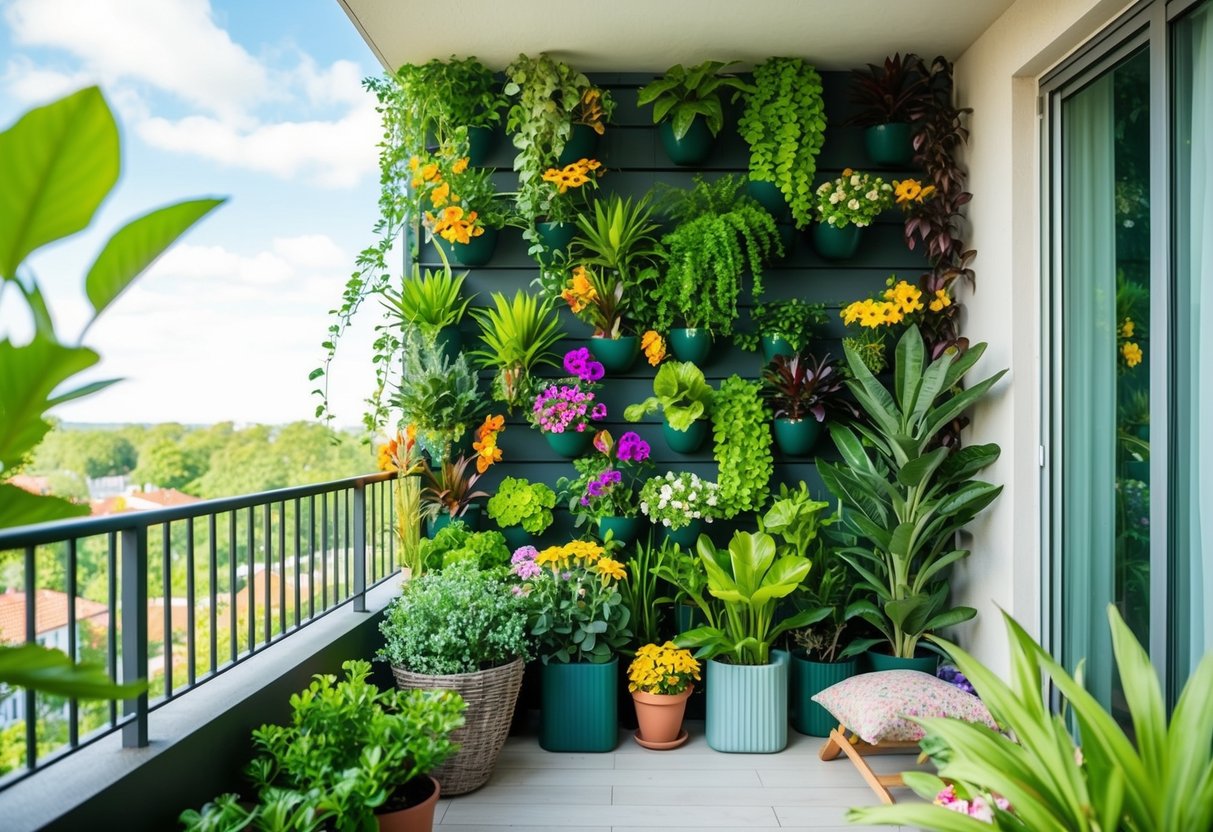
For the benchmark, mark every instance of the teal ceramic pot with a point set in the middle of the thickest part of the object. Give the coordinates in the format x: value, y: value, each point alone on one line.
x: 582, y: 144
x: 810, y: 678
x: 926, y: 662
x: 570, y: 444
x: 579, y: 711
x: 796, y: 437
x: 691, y: 344
x: 556, y: 235
x: 471, y: 519
x: 748, y: 706
x: 450, y: 340
x: 478, y: 252
x: 686, y: 441
x: 836, y: 243
x: 773, y: 345
x: 687, y: 535
x: 481, y: 143
x: 693, y: 148
x: 787, y: 237
x: 889, y: 144
x: 515, y: 536
x: 617, y: 355
x: 769, y: 197
x: 623, y: 529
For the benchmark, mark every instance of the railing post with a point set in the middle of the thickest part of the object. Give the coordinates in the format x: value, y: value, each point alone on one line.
x: 359, y: 542
x: 134, y: 631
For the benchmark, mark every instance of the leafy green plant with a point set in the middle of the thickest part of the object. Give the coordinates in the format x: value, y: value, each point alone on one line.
x: 440, y: 397
x: 784, y: 124
x: 798, y: 386
x: 749, y: 580
x: 429, y: 301
x: 279, y: 810
x: 904, y: 496
x: 1160, y: 779
x: 743, y: 446
x: 642, y: 591
x: 889, y: 92
x: 796, y: 518
x: 683, y: 95
x: 459, y: 620
x: 794, y: 320
x: 721, y: 234
x: 449, y: 489
x: 680, y: 392
x: 833, y: 597
x: 439, y: 97
x: 519, y: 502
x: 457, y: 543
x: 518, y: 336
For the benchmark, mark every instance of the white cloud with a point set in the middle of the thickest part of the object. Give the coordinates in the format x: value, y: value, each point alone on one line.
x: 216, y: 263
x: 31, y: 84
x: 317, y: 251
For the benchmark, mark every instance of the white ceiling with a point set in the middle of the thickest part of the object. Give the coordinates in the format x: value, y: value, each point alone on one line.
x: 650, y: 35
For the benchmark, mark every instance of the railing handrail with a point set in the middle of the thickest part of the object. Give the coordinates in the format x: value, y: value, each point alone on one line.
x: 41, y: 534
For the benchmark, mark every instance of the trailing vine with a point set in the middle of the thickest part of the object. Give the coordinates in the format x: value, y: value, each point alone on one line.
x: 784, y: 124
x: 740, y: 422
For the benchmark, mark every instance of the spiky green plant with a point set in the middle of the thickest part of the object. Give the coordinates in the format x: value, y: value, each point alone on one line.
x: 518, y: 336
x: 428, y: 302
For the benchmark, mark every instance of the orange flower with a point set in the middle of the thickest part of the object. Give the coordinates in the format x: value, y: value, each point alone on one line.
x: 429, y: 171
x: 492, y: 425
x: 439, y: 195
x: 654, y: 347
x: 580, y: 293
x: 487, y: 453
x: 460, y: 166
x: 414, y: 162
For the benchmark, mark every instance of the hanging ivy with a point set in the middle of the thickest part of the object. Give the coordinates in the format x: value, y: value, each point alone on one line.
x: 741, y: 422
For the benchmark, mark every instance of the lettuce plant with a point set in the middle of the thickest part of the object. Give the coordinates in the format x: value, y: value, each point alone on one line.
x: 680, y: 392
x: 519, y: 502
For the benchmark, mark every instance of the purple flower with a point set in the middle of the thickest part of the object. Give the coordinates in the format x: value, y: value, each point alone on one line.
x: 594, y: 371
x: 599, y: 412
x: 594, y: 489
x: 632, y: 448
x: 566, y: 575
x: 527, y: 569
x: 578, y: 363
x: 524, y: 553
x: 953, y: 676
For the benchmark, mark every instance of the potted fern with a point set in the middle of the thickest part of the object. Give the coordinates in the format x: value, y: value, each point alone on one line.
x: 782, y: 327
x: 886, y: 95
x: 687, y: 104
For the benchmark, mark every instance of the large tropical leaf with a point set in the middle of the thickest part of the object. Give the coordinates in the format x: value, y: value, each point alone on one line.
x: 51, y: 671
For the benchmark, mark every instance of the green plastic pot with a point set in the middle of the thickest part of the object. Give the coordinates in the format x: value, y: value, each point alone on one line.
x: 769, y: 197
x: 796, y: 437
x: 470, y: 517
x: 617, y: 355
x: 810, y: 678
x: 836, y: 243
x: 773, y: 345
x: 477, y: 252
x: 450, y: 340
x: 570, y: 444
x: 579, y: 711
x: 693, y: 148
x: 582, y: 143
x: 923, y: 661
x: 685, y: 536
x: 623, y: 529
x: 556, y: 235
x: 481, y: 141
x: 686, y: 441
x: 889, y: 144
x: 748, y: 706
x: 515, y: 536
x: 691, y: 344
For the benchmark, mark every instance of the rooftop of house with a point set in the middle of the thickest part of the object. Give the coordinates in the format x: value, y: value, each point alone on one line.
x: 141, y: 501
x: 50, y: 613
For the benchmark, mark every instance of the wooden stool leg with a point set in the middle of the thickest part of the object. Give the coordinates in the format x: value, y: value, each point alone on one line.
x: 831, y: 749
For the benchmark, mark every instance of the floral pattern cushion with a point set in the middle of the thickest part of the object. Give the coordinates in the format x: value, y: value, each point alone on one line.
x: 876, y: 705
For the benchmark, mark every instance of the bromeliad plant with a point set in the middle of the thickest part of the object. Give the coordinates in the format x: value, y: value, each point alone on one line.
x: 518, y: 336
x: 522, y: 503
x: 577, y: 613
x: 680, y: 392
x: 904, y: 495
x: 427, y: 301
x: 1160, y: 780
x: 683, y: 95
x: 801, y: 386
x: 403, y: 456
x: 449, y: 489
x: 854, y: 198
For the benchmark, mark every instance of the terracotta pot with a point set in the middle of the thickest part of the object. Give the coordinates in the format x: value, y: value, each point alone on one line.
x: 660, y: 715
x: 419, y: 818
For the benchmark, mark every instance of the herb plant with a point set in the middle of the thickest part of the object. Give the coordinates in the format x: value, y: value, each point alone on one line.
x: 519, y: 502
x: 794, y: 320
x: 518, y: 336
x: 459, y: 620
x: 799, y: 386
x: 680, y: 392
x: 457, y: 543
x: 683, y: 95
x: 784, y: 124
x: 428, y: 302
x: 440, y: 397
x: 743, y: 446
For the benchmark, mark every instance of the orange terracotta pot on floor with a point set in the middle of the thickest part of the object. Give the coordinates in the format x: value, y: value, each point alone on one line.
x: 419, y: 818
x: 660, y: 717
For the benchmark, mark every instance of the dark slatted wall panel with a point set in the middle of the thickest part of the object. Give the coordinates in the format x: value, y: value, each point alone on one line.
x: 632, y: 152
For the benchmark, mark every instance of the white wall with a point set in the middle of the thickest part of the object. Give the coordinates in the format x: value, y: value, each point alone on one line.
x: 998, y: 76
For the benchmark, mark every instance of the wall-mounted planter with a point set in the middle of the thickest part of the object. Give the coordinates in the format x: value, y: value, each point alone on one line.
x: 481, y: 143
x: 796, y: 437
x: 515, y: 536
x: 582, y: 144
x: 617, y: 355
x: 836, y: 243
x: 693, y: 148
x: 570, y: 444
x: 471, y: 517
x: 748, y: 706
x: 691, y: 344
x: 579, y: 707
x: 889, y: 144
x: 622, y: 529
x: 808, y: 679
x: 685, y: 536
x: 686, y: 441
x: 775, y: 345
x: 769, y: 197
x: 477, y: 252
x: 556, y: 236
x: 923, y: 661
x: 450, y: 341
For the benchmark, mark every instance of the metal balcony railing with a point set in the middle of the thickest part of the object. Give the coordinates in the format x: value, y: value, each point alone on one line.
x: 211, y: 583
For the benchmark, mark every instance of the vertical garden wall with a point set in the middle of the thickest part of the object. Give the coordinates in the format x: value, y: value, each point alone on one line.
x: 633, y: 155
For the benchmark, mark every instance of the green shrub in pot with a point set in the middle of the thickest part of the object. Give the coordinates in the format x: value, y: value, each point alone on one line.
x: 428, y: 301
x: 520, y: 502
x: 440, y: 397
x: 683, y: 95
x: 794, y: 322
x: 436, y: 99
x: 518, y: 335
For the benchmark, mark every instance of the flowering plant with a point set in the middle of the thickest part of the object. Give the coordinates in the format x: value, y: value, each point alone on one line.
x: 901, y: 304
x: 596, y: 297
x: 485, y: 446
x: 403, y: 455
x: 674, y: 500
x: 663, y: 669
x: 577, y: 613
x: 563, y: 192
x: 654, y: 347
x: 457, y: 201
x: 978, y: 806
x: 607, y: 481
x: 570, y: 406
x: 853, y: 197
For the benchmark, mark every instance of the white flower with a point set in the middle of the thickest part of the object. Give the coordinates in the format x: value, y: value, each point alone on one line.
x: 834, y: 198
x: 855, y: 180
x: 666, y: 491
x: 853, y: 204
x: 678, y: 504
x: 872, y: 195
x: 697, y: 514
x: 666, y: 523
x: 711, y: 499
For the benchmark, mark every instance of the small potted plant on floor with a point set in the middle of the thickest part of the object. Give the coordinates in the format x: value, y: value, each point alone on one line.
x: 782, y: 327
x: 579, y: 622
x: 518, y: 336
x: 521, y: 509
x: 565, y: 411
x: 800, y: 391
x: 887, y: 96
x: 604, y: 491
x: 685, y: 399
x: 433, y: 304
x: 462, y: 629
x: 845, y: 206
x: 687, y: 104
x: 680, y: 504
x: 661, y: 679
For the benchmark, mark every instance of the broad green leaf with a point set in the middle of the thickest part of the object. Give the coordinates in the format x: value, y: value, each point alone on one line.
x: 57, y: 164
x: 917, y: 470
x: 907, y: 368
x: 683, y: 116
x: 51, y: 671
x: 19, y: 507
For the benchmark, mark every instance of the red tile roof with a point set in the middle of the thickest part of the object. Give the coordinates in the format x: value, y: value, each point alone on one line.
x: 142, y: 500
x: 50, y: 613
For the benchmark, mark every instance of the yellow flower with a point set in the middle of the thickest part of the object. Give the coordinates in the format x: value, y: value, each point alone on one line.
x: 846, y: 172
x: 654, y: 347
x: 1132, y: 353
x: 552, y: 175
x: 460, y: 166
x: 584, y: 550
x: 907, y: 190
x: 941, y: 301
x: 439, y: 195
x: 383, y: 458
x: 429, y: 171
x: 414, y: 162
x: 592, y: 164
x: 552, y: 556
x: 580, y: 293
x: 1126, y: 329
x: 610, y: 570
x: 487, y: 453
x: 850, y: 313
x: 908, y: 298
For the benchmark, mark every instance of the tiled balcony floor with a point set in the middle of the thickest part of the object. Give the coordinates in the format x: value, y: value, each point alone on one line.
x: 637, y: 790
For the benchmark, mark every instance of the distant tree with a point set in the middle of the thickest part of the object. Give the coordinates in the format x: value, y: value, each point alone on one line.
x: 165, y: 465
x: 92, y: 452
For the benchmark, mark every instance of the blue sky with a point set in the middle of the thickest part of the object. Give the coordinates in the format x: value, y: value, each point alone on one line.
x: 256, y: 100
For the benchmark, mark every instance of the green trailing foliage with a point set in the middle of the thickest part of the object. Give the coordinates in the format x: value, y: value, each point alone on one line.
x: 683, y: 95
x: 743, y: 446
x: 680, y: 392
x: 522, y: 503
x: 438, y: 98
x: 784, y: 124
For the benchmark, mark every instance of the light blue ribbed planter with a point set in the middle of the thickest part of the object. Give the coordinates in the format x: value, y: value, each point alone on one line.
x: 748, y: 706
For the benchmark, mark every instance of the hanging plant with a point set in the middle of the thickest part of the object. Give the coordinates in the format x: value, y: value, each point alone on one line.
x: 438, y: 97
x: 784, y: 124
x: 743, y: 446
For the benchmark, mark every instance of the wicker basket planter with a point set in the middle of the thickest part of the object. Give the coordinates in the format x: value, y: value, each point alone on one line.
x: 490, y: 696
